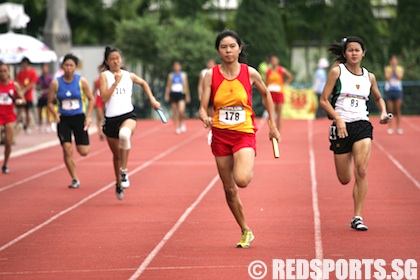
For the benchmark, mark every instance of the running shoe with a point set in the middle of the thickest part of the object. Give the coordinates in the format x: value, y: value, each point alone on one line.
x: 390, y: 131
x: 183, y: 128
x: 247, y: 237
x: 119, y: 192
x: 74, y: 184
x: 357, y: 224
x: 5, y: 170
x: 125, y: 183
x: 400, y: 131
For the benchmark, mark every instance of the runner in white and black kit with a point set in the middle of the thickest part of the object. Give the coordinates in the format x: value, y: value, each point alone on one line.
x: 115, y: 87
x: 344, y: 99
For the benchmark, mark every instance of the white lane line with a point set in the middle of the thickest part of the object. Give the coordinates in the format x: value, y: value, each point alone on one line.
x: 50, y: 144
x: 86, y: 199
x: 171, y: 232
x: 411, y: 123
x: 24, y: 151
x: 97, y: 270
x: 398, y: 164
x: 315, y: 206
x: 45, y: 172
x: 184, y: 216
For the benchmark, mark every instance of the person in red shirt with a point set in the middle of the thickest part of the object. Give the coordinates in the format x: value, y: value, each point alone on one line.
x: 9, y: 90
x: 275, y: 80
x: 27, y: 79
x: 99, y: 105
x: 229, y: 87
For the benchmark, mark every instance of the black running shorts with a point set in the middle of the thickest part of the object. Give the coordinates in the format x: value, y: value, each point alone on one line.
x: 112, y: 125
x: 175, y: 97
x: 356, y: 131
x: 72, y: 124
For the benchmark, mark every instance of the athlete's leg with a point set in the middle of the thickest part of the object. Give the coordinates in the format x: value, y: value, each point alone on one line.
x: 225, y: 168
x: 279, y: 109
x: 390, y: 106
x: 175, y: 113
x: 114, y: 145
x: 127, y: 129
x: 181, y: 110
x: 397, y: 112
x: 68, y: 159
x: 243, y: 166
x: 99, y: 121
x: 8, y: 141
x: 343, y: 167
x: 361, y: 152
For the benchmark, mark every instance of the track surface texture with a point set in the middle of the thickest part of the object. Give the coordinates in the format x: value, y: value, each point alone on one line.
x: 174, y: 222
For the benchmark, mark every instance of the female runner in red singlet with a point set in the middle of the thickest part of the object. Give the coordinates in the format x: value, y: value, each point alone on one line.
x: 9, y: 89
x: 229, y: 87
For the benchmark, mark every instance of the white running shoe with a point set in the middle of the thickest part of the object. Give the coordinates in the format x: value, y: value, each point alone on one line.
x: 119, y: 192
x: 358, y: 224
x: 125, y: 183
x: 183, y: 128
x: 74, y: 184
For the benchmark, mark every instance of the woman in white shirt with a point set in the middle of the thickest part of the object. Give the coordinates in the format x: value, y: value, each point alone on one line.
x: 349, y: 86
x: 115, y: 87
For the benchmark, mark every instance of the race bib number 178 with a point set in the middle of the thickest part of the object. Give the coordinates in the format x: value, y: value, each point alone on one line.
x: 232, y: 115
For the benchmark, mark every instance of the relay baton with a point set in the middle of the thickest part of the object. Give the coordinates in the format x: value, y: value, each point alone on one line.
x: 387, y: 118
x: 276, y: 151
x: 161, y: 115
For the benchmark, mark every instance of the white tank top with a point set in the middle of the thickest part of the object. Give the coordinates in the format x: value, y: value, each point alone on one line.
x: 120, y: 101
x: 351, y: 92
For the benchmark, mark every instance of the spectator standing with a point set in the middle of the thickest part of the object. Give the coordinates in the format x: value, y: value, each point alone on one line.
x: 27, y: 79
x: 177, y: 92
x: 394, y: 74
x: 43, y: 86
x: 320, y: 78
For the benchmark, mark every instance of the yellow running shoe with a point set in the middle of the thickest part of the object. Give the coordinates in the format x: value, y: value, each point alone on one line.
x: 247, y: 237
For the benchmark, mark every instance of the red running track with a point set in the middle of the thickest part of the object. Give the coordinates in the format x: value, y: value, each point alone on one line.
x: 174, y: 222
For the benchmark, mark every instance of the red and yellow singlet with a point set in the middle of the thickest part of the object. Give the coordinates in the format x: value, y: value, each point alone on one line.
x: 232, y: 101
x: 275, y: 80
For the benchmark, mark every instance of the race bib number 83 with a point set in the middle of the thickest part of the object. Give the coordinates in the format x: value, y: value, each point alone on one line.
x: 354, y: 104
x: 232, y: 115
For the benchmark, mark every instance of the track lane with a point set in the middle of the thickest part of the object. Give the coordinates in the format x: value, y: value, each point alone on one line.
x: 391, y: 206
x: 108, y: 239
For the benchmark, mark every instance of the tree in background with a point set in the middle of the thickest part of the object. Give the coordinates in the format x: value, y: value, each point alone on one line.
x: 187, y: 8
x: 91, y: 21
x: 260, y: 25
x: 305, y: 25
x: 355, y: 18
x: 404, y: 31
x: 158, y: 45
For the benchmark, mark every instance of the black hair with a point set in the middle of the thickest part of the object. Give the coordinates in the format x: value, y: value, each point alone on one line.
x: 25, y: 59
x: 338, y: 49
x: 72, y: 57
x: 231, y: 33
x: 108, y: 51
